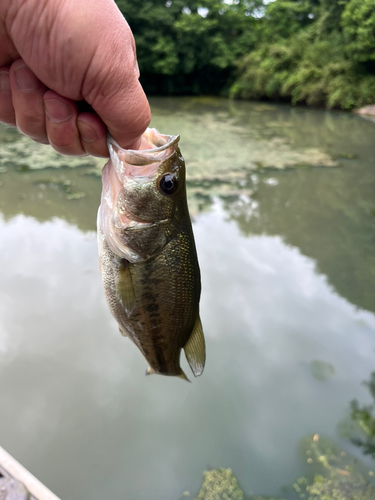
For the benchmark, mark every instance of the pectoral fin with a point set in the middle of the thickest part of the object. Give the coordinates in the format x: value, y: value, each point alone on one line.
x: 150, y: 371
x: 124, y: 287
x: 195, y: 349
x: 123, y: 332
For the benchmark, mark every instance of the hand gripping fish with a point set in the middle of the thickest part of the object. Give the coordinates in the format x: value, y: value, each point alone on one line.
x: 147, y: 253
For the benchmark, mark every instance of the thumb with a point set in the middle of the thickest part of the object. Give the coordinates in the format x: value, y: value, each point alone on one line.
x: 111, y: 84
x: 124, y: 109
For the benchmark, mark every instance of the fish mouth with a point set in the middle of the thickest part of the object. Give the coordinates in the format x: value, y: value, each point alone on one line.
x: 144, y: 162
x: 142, y: 165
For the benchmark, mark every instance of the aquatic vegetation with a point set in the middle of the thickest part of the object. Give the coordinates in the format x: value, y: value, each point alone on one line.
x: 24, y: 155
x: 321, y: 370
x: 246, y: 141
x: 64, y: 185
x: 364, y: 417
x: 337, y: 475
x: 220, y: 484
x: 338, y: 489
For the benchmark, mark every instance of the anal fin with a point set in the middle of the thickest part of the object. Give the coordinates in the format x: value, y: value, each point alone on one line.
x: 195, y: 349
x: 183, y: 376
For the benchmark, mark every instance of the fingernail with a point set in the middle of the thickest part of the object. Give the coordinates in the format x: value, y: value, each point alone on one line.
x: 87, y: 132
x: 4, y: 82
x: 57, y: 111
x: 25, y: 78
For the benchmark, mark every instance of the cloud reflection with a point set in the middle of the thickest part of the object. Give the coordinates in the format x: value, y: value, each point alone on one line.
x: 74, y: 399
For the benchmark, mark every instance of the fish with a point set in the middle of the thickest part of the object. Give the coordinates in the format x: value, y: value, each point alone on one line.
x: 147, y: 254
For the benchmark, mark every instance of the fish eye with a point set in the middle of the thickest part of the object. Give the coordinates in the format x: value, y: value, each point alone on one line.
x: 168, y: 184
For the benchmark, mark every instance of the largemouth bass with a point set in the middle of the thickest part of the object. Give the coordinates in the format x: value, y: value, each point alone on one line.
x: 147, y: 253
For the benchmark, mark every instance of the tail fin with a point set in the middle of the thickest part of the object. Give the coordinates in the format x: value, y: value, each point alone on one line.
x: 195, y: 349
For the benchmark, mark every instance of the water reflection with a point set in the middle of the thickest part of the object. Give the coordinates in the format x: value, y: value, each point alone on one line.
x: 74, y: 399
x: 238, y: 154
x: 286, y: 256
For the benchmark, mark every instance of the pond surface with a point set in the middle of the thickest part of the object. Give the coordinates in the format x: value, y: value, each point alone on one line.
x: 283, y: 208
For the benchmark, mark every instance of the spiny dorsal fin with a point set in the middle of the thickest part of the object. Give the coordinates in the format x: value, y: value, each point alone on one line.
x: 124, y: 288
x: 195, y: 349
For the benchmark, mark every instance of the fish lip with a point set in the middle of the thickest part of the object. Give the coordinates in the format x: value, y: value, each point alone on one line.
x: 143, y: 157
x: 149, y: 134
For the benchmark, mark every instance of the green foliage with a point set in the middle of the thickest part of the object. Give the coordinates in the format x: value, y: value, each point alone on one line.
x: 307, y: 62
x: 186, y: 47
x: 284, y: 18
x: 364, y: 416
x: 358, y: 23
x: 317, y: 52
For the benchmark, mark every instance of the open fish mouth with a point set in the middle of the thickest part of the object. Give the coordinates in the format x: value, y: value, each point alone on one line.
x: 155, y: 148
x: 126, y: 165
x: 142, y: 165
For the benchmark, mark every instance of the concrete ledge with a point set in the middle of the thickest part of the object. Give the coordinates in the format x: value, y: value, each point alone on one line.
x: 9, y: 467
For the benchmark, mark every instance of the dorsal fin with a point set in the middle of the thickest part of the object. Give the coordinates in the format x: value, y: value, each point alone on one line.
x: 195, y: 349
x: 124, y: 287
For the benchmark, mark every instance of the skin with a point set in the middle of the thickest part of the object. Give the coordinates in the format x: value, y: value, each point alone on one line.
x: 54, y: 53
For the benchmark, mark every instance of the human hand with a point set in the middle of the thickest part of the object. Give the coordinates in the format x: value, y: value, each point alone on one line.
x: 54, y: 53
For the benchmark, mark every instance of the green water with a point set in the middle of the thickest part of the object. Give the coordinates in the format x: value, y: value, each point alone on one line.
x: 283, y: 205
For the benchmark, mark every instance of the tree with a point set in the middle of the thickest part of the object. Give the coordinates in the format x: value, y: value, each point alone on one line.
x: 189, y: 46
x: 358, y: 24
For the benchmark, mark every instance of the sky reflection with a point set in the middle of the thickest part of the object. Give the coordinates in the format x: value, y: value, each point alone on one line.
x: 74, y: 399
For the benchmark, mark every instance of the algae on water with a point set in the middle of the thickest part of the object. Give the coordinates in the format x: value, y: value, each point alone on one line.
x: 24, y: 154
x: 337, y: 475
x: 220, y: 484
x: 334, y: 475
